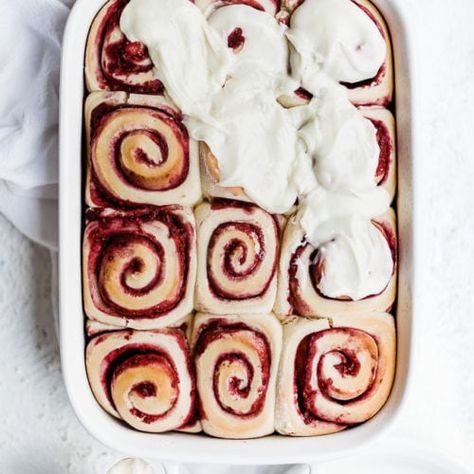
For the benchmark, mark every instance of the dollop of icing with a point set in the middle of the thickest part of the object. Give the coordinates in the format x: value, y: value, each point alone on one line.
x: 346, y: 44
x: 341, y: 141
x: 356, y: 264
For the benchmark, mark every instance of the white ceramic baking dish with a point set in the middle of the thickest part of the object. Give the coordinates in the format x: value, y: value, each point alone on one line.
x: 200, y: 448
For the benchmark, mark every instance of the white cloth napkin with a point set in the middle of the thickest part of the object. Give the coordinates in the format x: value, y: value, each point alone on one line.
x: 30, y: 45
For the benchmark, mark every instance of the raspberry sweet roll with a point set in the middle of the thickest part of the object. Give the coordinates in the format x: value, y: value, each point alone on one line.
x: 347, y: 275
x: 114, y: 63
x: 334, y: 374
x: 139, y: 268
x: 238, y: 248
x: 353, y: 48
x: 353, y: 150
x: 139, y: 152
x: 236, y: 359
x: 144, y: 378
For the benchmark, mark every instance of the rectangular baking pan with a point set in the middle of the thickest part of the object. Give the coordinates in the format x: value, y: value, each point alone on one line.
x: 181, y: 447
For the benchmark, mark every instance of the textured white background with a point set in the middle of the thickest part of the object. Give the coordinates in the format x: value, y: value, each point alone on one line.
x: 39, y: 433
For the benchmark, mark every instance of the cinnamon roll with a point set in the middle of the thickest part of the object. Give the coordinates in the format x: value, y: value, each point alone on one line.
x: 366, y: 72
x: 334, y: 374
x: 352, y: 149
x: 236, y: 359
x: 112, y: 61
x: 139, y: 152
x: 377, y: 90
x: 345, y: 276
x: 238, y: 247
x: 139, y: 267
x: 144, y: 378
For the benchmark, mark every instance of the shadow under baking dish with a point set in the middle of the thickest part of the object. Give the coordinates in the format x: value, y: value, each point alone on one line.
x: 273, y: 449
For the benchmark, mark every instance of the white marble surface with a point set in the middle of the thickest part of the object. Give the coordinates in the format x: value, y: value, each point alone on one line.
x: 39, y: 433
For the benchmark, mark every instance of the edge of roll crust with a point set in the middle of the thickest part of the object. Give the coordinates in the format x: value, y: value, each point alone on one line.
x: 152, y: 254
x: 236, y: 359
x: 384, y: 123
x: 144, y: 378
x: 346, y: 377
x: 238, y: 248
x: 312, y: 303
x: 122, y: 129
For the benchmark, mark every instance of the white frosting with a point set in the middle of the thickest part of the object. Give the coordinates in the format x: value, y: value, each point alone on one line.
x: 190, y: 58
x: 337, y: 38
x: 357, y: 263
x: 342, y: 143
x: 255, y: 145
x: 357, y: 258
x: 324, y: 215
x: 131, y: 466
x: 263, y: 56
x: 324, y: 153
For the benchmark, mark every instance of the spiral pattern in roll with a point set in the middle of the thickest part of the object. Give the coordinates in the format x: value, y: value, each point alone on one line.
x: 139, y: 152
x: 112, y: 61
x: 334, y: 375
x: 139, y: 268
x: 302, y: 267
x: 238, y: 246
x: 143, y: 377
x: 236, y: 358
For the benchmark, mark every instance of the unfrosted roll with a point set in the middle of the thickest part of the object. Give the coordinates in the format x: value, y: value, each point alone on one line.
x: 334, y: 374
x: 238, y: 248
x: 236, y: 359
x: 139, y: 152
x: 139, y: 267
x: 303, y: 269
x: 113, y: 62
x: 144, y: 378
